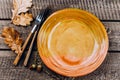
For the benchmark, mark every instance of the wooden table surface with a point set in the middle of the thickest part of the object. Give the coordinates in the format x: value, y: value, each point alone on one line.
x: 108, y: 11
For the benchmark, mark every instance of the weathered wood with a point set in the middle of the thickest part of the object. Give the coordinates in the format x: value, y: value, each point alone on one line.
x: 9, y: 72
x: 104, y: 9
x: 109, y: 70
x: 7, y: 54
x: 114, y: 36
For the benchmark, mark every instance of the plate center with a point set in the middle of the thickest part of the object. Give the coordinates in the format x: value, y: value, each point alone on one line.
x: 72, y: 40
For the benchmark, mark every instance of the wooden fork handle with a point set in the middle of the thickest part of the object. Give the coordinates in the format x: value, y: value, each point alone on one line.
x: 23, y: 48
x: 17, y: 59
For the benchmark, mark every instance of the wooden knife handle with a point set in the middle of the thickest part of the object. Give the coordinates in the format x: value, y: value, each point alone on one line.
x: 30, y: 49
x: 23, y: 48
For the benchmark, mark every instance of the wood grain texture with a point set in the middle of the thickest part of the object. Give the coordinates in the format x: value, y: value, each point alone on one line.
x: 109, y: 70
x: 108, y: 11
x: 114, y: 36
x: 104, y: 9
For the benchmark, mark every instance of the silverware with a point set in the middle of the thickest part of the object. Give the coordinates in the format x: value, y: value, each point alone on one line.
x: 38, y: 22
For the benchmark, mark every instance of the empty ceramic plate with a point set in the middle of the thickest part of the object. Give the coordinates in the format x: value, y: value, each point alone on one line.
x: 72, y: 42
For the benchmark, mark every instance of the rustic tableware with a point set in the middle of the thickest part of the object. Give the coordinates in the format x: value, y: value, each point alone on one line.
x: 72, y: 42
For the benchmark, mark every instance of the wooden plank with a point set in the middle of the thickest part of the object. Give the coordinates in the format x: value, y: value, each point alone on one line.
x: 103, y: 9
x: 109, y: 70
x: 9, y: 72
x: 7, y: 53
x: 114, y: 36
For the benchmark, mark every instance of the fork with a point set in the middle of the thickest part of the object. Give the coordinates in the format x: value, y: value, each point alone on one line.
x: 38, y: 22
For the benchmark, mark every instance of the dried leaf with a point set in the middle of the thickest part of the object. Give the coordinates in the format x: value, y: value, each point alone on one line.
x: 23, y: 19
x: 12, y: 39
x: 20, y: 7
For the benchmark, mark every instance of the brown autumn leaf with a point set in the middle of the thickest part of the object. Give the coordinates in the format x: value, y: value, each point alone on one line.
x: 23, y: 19
x: 21, y: 7
x: 12, y: 39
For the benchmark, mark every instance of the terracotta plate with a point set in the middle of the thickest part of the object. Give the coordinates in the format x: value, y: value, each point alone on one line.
x: 72, y: 42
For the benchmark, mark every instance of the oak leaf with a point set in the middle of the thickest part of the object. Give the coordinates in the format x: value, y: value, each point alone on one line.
x: 12, y: 39
x: 20, y: 7
x: 23, y: 19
